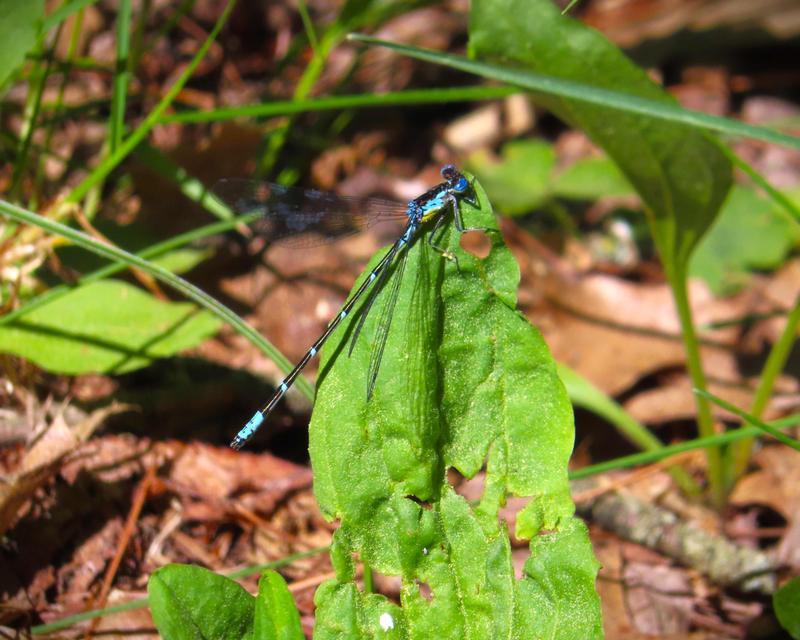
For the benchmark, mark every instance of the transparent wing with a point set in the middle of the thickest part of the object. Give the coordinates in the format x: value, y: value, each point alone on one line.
x: 373, y: 295
x: 384, y: 323
x: 303, y: 216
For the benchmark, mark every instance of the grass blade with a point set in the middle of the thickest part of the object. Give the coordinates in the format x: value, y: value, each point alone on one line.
x: 763, y: 426
x: 589, y: 94
x: 112, y: 160
x: 392, y: 98
x: 647, y: 457
x: 179, y: 284
x: 121, y: 76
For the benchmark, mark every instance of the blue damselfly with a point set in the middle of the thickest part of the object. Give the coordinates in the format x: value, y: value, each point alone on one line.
x: 293, y: 213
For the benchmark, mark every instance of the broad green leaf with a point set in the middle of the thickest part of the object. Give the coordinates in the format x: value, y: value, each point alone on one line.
x: 470, y: 575
x: 750, y: 233
x: 182, y: 260
x: 787, y: 607
x: 107, y: 327
x: 502, y: 400
x: 277, y: 617
x: 19, y: 28
x: 590, y: 179
x: 520, y: 181
x: 679, y: 172
x: 192, y: 603
x: 525, y: 177
x: 465, y: 382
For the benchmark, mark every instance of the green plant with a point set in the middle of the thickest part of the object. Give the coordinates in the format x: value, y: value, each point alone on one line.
x: 682, y: 175
x: 449, y: 398
x: 465, y: 381
x: 191, y: 602
x: 787, y: 606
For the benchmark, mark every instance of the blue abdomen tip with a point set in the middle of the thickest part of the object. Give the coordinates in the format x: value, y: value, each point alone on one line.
x: 253, y: 424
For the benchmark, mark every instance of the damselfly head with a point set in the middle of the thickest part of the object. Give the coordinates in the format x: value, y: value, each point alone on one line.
x: 455, y: 179
x: 449, y: 172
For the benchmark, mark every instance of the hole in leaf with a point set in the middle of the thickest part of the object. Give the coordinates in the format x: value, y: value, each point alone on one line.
x: 425, y: 590
x: 476, y: 243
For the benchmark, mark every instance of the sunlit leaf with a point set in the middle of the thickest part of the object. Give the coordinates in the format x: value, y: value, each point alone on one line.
x: 192, y: 603
x: 276, y: 616
x: 466, y: 381
x: 750, y: 234
x: 19, y: 28
x: 678, y: 171
x: 107, y: 327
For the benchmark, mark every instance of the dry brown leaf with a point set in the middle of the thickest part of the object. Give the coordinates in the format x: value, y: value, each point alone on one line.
x: 206, y: 474
x: 613, y: 590
x: 118, y: 458
x: 628, y: 22
x: 658, y: 598
x: 615, y: 332
x: 776, y: 485
x: 674, y: 400
x: 778, y: 291
x: 133, y: 624
x: 44, y: 458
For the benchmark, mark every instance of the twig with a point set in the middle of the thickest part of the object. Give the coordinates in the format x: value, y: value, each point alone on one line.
x: 139, y: 497
x: 723, y: 562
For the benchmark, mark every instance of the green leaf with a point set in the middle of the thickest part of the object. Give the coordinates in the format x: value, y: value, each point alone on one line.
x: 679, y: 172
x: 750, y: 234
x: 525, y: 177
x: 558, y: 587
x: 182, y: 260
x: 277, y: 617
x: 465, y: 382
x: 501, y: 395
x: 591, y: 179
x: 345, y: 612
x: 107, y: 327
x: 787, y: 607
x: 470, y: 575
x: 19, y: 28
x: 192, y: 603
x: 520, y: 181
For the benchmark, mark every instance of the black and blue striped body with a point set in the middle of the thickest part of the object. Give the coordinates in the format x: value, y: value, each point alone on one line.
x: 429, y: 206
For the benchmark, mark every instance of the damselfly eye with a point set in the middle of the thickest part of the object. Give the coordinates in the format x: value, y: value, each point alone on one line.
x: 462, y: 185
x: 449, y: 171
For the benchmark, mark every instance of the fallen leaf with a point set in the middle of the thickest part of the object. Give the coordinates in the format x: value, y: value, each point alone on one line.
x: 615, y: 332
x: 659, y: 598
x: 43, y: 459
x: 776, y: 485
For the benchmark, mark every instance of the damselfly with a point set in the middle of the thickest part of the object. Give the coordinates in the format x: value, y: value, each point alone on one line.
x: 288, y: 212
